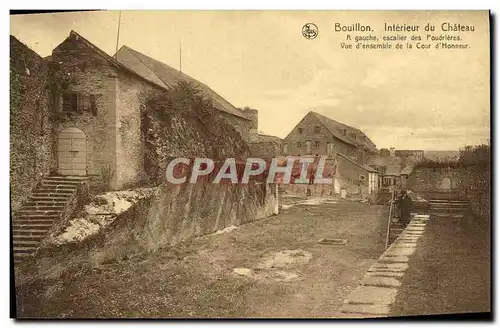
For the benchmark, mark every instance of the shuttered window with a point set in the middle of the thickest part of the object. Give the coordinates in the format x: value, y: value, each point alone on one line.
x: 71, y: 102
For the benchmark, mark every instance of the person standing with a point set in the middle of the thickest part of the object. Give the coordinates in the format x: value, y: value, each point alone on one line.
x: 406, y: 203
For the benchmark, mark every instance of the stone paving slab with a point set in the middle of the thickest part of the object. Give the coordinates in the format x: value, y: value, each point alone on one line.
x: 403, y: 251
x: 380, y: 281
x: 415, y: 229
x: 372, y: 295
x: 405, y: 244
x: 389, y: 266
x: 386, y: 274
x: 394, y: 259
x: 412, y: 233
x: 369, y: 309
x: 412, y: 238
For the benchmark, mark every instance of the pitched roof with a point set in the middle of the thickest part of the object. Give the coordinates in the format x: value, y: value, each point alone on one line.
x: 257, y: 137
x: 392, y: 170
x: 167, y: 76
x: 407, y: 170
x: 104, y: 55
x: 337, y: 130
x: 363, y: 166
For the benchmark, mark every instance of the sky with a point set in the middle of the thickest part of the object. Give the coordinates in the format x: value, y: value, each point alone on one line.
x: 409, y: 99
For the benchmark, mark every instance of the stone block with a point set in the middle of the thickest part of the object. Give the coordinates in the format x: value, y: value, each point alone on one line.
x: 380, y: 281
x: 372, y: 295
x: 366, y: 309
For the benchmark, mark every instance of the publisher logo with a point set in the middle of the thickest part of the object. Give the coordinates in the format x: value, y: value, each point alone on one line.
x: 310, y: 31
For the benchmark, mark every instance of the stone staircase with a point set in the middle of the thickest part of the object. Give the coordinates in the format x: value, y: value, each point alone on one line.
x: 448, y: 208
x: 43, y: 208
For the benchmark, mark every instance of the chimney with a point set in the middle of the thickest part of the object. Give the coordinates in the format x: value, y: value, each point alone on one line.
x: 361, y: 153
x: 392, y: 151
x: 252, y: 114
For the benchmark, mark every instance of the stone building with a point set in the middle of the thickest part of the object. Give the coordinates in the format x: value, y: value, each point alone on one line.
x: 31, y: 140
x: 354, y: 177
x: 85, y: 107
x: 318, y: 134
x: 166, y: 76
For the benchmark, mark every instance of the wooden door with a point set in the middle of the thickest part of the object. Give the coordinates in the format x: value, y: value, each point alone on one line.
x: 72, y: 152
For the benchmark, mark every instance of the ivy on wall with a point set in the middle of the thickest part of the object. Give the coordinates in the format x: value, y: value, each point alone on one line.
x: 181, y: 122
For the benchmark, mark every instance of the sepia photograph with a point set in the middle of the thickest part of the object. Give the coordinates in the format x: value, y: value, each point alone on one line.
x: 245, y: 164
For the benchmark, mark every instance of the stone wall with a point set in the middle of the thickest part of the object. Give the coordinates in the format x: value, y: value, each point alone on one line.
x: 79, y: 69
x: 130, y: 97
x: 267, y: 149
x: 476, y: 187
x: 188, y: 210
x: 241, y: 125
x: 466, y: 182
x: 31, y: 141
x: 425, y: 180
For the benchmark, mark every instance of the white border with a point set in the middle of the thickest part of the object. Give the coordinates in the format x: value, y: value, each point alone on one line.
x: 188, y: 4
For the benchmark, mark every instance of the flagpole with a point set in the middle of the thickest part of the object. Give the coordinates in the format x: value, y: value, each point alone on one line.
x: 118, y: 32
x: 180, y: 54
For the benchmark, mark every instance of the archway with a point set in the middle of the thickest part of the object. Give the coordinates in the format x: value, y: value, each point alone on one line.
x: 72, y: 152
x: 446, y: 184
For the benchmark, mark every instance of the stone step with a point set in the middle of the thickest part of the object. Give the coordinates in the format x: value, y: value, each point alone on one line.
x: 34, y: 226
x: 21, y: 256
x: 43, y: 207
x: 72, y: 183
x: 38, y: 203
x: 53, y: 194
x: 25, y: 243
x: 55, y: 197
x: 28, y: 231
x: 17, y: 238
x: 67, y: 177
x: 33, y: 222
x: 54, y: 189
x: 33, y: 212
x: 24, y: 249
x: 38, y: 215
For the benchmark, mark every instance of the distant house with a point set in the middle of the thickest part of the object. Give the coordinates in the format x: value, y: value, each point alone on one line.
x: 391, y: 178
x: 404, y: 175
x: 354, y: 177
x: 318, y: 134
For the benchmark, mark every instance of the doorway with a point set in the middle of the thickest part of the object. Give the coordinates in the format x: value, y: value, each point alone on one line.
x: 72, y: 152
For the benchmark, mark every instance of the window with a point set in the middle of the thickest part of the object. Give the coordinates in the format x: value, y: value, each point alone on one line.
x: 300, y: 130
x: 316, y: 144
x: 93, y: 105
x: 329, y: 148
x: 70, y: 102
x: 285, y: 148
x: 299, y: 144
x: 345, y: 132
x: 317, y: 129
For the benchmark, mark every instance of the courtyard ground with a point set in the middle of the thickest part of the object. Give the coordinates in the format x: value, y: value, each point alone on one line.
x: 273, y: 267
x: 449, y: 273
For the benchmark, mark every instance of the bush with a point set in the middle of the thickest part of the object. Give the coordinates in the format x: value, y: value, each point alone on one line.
x: 182, y: 122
